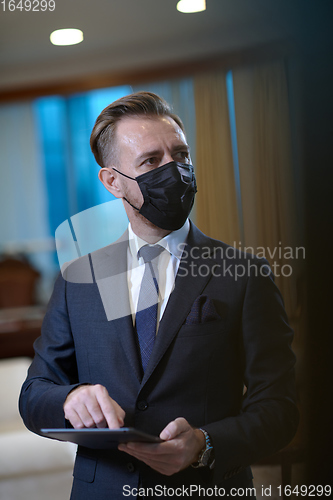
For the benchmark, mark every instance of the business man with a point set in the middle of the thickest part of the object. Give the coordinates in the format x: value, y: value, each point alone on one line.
x: 206, y: 365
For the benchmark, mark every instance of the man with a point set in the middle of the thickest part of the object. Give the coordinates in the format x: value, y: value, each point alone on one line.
x: 217, y: 383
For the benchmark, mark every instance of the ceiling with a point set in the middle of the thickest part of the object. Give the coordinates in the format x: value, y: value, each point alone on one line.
x: 128, y: 34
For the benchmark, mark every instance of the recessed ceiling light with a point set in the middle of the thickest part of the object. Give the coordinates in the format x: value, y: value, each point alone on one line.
x: 66, y: 37
x: 188, y: 6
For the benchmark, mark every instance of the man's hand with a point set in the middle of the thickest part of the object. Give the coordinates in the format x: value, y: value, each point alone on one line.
x: 91, y: 406
x: 181, y: 447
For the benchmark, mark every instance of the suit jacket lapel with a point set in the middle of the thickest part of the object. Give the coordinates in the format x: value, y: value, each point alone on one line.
x: 124, y: 330
x: 110, y: 271
x: 189, y: 284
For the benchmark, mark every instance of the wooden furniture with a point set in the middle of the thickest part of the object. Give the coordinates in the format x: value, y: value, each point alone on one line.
x: 17, y: 282
x: 19, y: 328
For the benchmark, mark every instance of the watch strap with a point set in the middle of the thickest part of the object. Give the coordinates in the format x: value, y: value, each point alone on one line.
x: 206, y: 455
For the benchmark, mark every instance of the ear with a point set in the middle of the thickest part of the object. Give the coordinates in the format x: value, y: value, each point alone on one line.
x: 109, y: 179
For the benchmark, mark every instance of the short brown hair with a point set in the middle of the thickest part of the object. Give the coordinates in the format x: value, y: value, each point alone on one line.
x: 137, y: 104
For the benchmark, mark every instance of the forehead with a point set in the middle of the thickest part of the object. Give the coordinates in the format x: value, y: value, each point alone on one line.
x: 137, y: 132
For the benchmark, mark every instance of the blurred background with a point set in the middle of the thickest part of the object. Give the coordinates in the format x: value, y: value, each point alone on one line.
x: 251, y: 80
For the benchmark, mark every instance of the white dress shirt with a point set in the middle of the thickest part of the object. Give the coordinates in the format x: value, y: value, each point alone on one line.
x: 168, y: 264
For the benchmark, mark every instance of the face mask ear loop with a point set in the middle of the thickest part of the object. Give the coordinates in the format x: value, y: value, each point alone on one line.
x: 138, y: 209
x: 121, y: 173
x: 128, y: 177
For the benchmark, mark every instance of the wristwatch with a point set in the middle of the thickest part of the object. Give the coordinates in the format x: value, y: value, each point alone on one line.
x: 206, y: 456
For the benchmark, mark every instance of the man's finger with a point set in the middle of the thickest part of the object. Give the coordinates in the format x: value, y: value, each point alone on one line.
x: 112, y: 412
x: 86, y: 415
x: 96, y: 415
x: 91, y: 406
x: 174, y: 428
x: 160, y: 458
x: 75, y: 420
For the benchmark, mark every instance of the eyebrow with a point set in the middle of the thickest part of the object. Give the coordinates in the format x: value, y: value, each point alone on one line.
x: 148, y: 154
x: 182, y: 147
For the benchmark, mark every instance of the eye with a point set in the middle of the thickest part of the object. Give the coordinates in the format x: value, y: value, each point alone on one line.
x: 151, y: 161
x: 183, y: 156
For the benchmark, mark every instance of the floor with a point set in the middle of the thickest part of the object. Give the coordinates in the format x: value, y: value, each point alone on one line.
x: 39, y: 487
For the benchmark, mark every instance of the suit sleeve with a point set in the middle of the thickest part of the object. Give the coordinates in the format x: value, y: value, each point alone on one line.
x: 269, y: 417
x: 53, y: 372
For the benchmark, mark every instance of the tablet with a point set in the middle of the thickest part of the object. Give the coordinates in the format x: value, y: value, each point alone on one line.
x: 100, y: 438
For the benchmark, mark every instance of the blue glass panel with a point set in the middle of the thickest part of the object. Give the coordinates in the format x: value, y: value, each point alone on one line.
x: 51, y: 121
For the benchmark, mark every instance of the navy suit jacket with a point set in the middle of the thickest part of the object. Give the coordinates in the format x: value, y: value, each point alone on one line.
x: 230, y: 371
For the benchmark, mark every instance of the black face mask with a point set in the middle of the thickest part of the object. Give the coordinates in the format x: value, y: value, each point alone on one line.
x: 168, y: 192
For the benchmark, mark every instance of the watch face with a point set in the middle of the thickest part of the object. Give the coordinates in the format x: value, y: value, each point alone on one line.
x: 204, y: 459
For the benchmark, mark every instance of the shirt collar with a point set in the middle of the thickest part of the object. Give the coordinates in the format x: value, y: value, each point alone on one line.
x: 173, y: 242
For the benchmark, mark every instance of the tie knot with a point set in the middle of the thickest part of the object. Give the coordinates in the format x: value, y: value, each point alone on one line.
x: 149, y: 253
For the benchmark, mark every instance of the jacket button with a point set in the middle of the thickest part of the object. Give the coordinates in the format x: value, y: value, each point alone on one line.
x: 130, y: 467
x: 142, y: 405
